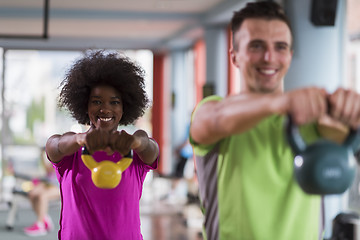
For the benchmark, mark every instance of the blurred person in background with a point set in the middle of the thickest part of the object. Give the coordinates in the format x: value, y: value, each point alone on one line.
x: 44, y: 190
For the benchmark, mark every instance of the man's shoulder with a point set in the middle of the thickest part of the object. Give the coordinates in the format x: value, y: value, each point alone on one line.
x: 205, y: 100
x: 210, y: 99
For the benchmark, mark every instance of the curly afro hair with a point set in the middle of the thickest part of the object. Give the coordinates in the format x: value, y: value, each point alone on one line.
x: 100, y: 68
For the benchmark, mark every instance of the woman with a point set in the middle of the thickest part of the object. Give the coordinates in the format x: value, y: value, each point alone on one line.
x: 104, y: 91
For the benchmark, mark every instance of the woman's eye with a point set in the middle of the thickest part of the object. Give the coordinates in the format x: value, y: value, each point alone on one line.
x: 115, y: 102
x: 96, y: 102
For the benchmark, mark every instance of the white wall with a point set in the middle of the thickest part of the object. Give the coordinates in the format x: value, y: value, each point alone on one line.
x: 318, y: 50
x: 318, y: 60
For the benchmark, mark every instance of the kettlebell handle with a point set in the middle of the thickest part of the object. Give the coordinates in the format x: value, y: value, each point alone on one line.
x: 105, y: 174
x: 298, y: 144
x: 86, y: 152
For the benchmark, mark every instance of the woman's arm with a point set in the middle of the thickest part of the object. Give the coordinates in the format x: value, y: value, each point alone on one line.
x: 146, y: 148
x: 59, y: 146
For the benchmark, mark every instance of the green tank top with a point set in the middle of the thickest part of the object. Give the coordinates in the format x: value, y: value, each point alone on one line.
x: 247, y: 187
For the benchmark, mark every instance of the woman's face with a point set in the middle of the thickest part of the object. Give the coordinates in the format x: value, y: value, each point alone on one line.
x: 105, y: 107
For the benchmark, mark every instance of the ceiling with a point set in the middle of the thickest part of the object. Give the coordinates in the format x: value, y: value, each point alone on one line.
x: 122, y: 24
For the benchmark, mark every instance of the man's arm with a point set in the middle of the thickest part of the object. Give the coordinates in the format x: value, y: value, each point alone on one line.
x: 216, y: 120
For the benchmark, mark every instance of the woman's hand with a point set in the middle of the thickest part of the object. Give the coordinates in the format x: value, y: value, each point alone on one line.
x: 97, y: 139
x: 123, y: 142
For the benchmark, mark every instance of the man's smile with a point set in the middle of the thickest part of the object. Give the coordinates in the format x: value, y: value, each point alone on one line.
x: 267, y: 71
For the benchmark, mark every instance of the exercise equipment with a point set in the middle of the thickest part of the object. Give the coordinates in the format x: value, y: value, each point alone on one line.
x: 24, y: 184
x: 18, y: 193
x: 346, y: 226
x: 323, y: 167
x: 105, y: 174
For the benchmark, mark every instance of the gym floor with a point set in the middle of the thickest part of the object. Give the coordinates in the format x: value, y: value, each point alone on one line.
x: 168, y: 217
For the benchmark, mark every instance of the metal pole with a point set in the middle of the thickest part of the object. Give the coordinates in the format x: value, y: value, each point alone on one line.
x: 2, y: 123
x: 46, y: 18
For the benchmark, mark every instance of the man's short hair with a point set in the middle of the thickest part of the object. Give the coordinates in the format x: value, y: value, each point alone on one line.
x: 267, y: 10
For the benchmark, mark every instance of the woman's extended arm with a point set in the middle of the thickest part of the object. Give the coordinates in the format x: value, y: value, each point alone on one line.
x: 59, y: 146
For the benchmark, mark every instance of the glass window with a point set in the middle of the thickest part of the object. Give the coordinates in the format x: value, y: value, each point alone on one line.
x: 31, y: 89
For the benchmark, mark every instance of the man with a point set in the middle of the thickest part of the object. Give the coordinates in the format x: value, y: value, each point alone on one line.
x: 244, y: 163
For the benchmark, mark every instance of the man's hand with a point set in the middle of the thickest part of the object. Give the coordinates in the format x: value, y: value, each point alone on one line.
x: 307, y: 104
x: 345, y: 107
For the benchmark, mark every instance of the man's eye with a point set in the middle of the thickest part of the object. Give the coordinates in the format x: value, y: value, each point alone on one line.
x: 282, y: 47
x: 256, y: 46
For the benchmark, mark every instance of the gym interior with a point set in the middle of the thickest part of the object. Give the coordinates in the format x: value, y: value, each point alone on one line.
x: 183, y: 47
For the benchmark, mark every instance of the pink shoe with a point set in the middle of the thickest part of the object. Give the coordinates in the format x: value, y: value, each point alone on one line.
x: 37, y: 229
x: 48, y: 223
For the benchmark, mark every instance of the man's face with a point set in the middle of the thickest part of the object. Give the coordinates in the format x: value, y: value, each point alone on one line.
x: 262, y: 52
